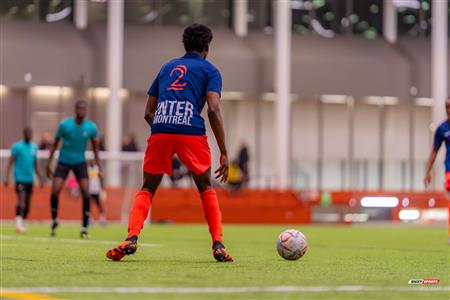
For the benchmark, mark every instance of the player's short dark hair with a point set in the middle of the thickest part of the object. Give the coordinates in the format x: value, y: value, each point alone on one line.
x: 80, y: 102
x: 196, y: 37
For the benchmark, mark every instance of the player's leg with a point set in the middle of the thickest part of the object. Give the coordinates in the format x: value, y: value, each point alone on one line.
x: 26, y: 208
x: 447, y: 195
x: 157, y: 162
x: 101, y: 210
x: 210, y: 204
x: 59, y: 177
x: 142, y: 203
x: 194, y: 153
x: 213, y: 214
x: 20, y: 192
x: 448, y: 204
x: 81, y: 174
x: 85, y: 208
x: 138, y: 215
x: 57, y: 185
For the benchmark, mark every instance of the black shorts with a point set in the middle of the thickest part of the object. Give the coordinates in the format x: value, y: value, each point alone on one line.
x: 80, y: 170
x: 24, y: 187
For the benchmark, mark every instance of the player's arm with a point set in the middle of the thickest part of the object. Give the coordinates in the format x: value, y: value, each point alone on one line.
x: 430, y: 163
x: 8, y: 170
x: 38, y: 173
x: 50, y: 158
x: 216, y: 121
x: 438, y: 139
x: 95, y: 143
x: 150, y: 109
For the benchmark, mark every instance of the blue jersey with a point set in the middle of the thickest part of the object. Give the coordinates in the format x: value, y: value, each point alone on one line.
x: 181, y: 88
x: 25, y: 156
x: 443, y: 134
x: 75, y: 138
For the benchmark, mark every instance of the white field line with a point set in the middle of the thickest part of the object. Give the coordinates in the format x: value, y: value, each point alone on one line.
x: 75, y: 241
x: 215, y: 290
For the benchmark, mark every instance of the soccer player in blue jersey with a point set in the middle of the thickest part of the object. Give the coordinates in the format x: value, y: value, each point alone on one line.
x: 441, y: 135
x: 75, y: 132
x: 24, y: 158
x: 176, y: 99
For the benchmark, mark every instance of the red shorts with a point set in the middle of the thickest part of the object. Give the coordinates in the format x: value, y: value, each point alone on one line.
x: 447, y: 181
x: 193, y: 151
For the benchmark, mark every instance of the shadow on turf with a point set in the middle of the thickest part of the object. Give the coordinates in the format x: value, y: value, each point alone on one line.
x: 163, y: 261
x: 18, y: 259
x: 421, y: 250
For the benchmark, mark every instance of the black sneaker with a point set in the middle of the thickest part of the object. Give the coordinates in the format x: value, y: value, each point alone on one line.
x: 84, y: 233
x: 53, y: 227
x: 220, y: 253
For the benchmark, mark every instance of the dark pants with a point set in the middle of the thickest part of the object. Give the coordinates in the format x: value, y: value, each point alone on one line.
x: 24, y: 192
x: 96, y: 198
x: 80, y: 172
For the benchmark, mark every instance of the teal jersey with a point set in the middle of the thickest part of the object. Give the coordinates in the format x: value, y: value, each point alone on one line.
x: 75, y: 138
x: 25, y: 156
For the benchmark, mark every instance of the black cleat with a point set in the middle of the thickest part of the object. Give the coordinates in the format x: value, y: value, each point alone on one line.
x: 84, y: 234
x: 53, y: 227
x: 220, y: 253
x: 128, y: 247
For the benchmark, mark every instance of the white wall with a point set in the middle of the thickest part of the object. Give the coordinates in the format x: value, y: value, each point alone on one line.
x: 241, y: 123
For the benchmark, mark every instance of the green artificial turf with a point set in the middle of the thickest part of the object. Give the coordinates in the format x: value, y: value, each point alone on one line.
x: 337, y: 256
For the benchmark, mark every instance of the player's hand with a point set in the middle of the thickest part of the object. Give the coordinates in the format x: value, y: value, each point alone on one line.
x: 48, y: 171
x: 427, y: 179
x: 222, y: 171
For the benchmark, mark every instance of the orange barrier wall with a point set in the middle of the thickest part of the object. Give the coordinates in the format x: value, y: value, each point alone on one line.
x: 184, y: 205
x: 177, y: 205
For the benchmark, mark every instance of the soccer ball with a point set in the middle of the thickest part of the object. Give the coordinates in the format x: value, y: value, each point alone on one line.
x: 292, y: 244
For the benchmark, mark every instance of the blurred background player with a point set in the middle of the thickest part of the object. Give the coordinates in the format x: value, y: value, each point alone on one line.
x: 75, y: 133
x: 176, y: 100
x: 243, y: 162
x: 96, y: 190
x: 24, y: 158
x: 442, y: 134
x: 178, y: 171
x: 235, y: 176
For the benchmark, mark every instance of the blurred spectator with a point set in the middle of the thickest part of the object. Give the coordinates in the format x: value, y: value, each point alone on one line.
x: 129, y: 143
x: 178, y: 171
x: 96, y: 191
x: 243, y: 160
x: 101, y: 143
x: 46, y: 142
x: 73, y: 187
x: 234, y: 176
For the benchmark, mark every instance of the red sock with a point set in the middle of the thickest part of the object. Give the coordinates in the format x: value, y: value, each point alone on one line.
x: 212, y: 214
x: 139, y: 212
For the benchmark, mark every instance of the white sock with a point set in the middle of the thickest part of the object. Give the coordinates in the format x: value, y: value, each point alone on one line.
x: 19, y: 221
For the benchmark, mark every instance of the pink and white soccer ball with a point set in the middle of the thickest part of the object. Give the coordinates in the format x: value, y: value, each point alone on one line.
x: 292, y: 244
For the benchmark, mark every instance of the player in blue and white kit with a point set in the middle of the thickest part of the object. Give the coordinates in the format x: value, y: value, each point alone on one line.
x: 442, y: 135
x: 24, y: 158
